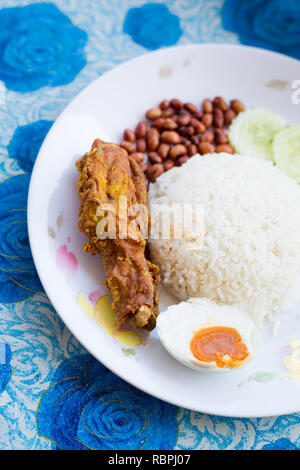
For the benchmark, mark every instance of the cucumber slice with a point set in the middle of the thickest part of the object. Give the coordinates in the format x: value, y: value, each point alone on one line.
x: 286, y: 151
x: 251, y: 133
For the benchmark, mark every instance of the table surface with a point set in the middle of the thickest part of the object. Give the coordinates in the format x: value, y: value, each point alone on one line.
x: 48, y: 53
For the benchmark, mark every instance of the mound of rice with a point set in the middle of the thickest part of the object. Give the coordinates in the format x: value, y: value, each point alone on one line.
x: 250, y: 256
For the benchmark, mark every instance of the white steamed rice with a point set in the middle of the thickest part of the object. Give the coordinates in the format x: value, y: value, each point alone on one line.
x: 251, y: 247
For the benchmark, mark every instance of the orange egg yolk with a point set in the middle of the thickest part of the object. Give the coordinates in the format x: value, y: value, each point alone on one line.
x: 220, y: 344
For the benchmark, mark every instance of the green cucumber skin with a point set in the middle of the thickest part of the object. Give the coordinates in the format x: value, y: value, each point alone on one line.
x: 286, y: 151
x: 255, y: 117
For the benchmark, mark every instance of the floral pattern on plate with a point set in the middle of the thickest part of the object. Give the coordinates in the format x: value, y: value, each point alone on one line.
x: 39, y: 350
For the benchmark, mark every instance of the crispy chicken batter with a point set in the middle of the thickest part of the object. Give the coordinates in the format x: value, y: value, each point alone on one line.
x: 106, y: 173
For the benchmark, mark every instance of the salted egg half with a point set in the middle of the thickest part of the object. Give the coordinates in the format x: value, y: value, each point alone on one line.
x: 207, y: 336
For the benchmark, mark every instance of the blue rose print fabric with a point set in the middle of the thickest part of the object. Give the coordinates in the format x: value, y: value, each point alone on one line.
x: 152, y: 26
x: 39, y: 46
x: 100, y: 411
x: 26, y: 142
x: 53, y: 394
x: 18, y: 278
x: 271, y: 24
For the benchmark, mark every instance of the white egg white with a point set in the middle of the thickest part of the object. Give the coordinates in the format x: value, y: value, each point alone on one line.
x: 178, y: 324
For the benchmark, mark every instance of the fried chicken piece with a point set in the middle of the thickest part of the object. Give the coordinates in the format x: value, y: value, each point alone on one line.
x: 106, y: 174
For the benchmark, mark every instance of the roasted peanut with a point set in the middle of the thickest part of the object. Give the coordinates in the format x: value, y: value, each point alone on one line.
x: 141, y: 145
x: 184, y: 119
x: 170, y: 137
x: 202, y: 131
x: 152, y: 138
x: 176, y: 104
x: 237, y: 106
x: 170, y: 124
x: 153, y: 113
x: 154, y: 157
x: 207, y: 119
x: 218, y: 118
x: 189, y: 131
x: 192, y: 149
x: 177, y: 151
x: 128, y: 146
x: 224, y: 148
x: 205, y: 147
x: 129, y: 135
x: 207, y: 106
x: 229, y: 115
x: 163, y: 150
x: 155, y: 171
x: 138, y: 156
x: 185, y: 131
x: 158, y: 123
x: 164, y: 104
x: 168, y: 112
x: 198, y: 115
x: 195, y: 139
x: 141, y: 129
x: 207, y: 136
x: 181, y: 160
x: 220, y: 103
x: 198, y: 126
x: 220, y: 137
x: 190, y: 107
x: 168, y: 164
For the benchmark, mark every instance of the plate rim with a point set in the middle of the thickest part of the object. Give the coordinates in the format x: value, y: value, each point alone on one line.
x: 42, y: 272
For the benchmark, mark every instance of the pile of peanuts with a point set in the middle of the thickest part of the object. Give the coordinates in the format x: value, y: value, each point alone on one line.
x: 175, y: 131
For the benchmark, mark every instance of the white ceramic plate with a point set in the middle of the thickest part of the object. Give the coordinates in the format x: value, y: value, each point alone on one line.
x: 117, y: 100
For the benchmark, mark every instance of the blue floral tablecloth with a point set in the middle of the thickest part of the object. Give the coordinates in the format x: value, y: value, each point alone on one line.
x: 49, y: 385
